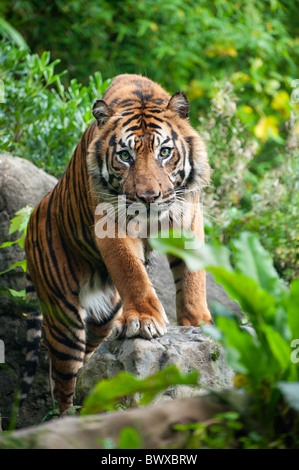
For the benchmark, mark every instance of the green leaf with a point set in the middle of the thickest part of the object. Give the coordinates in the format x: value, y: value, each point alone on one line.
x: 186, y: 246
x: 254, y: 261
x: 16, y: 293
x: 6, y: 244
x: 247, y: 355
x: 129, y: 439
x: 279, y: 347
x: 20, y: 221
x: 10, y: 32
x: 257, y: 303
x: 18, y: 264
x: 107, y: 393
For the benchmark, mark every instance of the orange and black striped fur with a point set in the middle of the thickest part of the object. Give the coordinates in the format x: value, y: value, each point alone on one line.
x: 141, y: 147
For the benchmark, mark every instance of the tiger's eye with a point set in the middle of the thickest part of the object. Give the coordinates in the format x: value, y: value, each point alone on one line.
x: 165, y: 152
x: 124, y: 155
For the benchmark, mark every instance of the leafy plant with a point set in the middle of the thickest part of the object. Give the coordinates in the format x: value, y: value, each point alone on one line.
x: 260, y: 353
x: 18, y: 224
x: 129, y: 439
x: 180, y: 43
x: 107, y: 394
x: 219, y: 432
x: 7, y: 31
x: 248, y: 192
x: 40, y: 118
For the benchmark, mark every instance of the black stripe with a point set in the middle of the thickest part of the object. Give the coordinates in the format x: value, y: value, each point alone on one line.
x: 63, y: 376
x: 33, y: 345
x: 34, y: 324
x: 150, y: 116
x: 136, y: 117
x: 192, y: 172
x: 30, y: 289
x: 64, y: 339
x: 175, y: 263
x: 64, y: 356
x: 153, y: 126
x: 30, y: 368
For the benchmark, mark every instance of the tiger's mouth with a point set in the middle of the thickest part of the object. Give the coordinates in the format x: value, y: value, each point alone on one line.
x: 145, y: 211
x: 139, y: 219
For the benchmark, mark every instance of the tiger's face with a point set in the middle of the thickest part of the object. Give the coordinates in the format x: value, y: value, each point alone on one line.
x: 146, y: 151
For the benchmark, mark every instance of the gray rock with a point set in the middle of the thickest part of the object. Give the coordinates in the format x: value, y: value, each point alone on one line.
x: 186, y: 347
x: 21, y: 184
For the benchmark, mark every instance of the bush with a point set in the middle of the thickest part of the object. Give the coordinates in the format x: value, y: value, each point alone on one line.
x: 261, y: 354
x: 182, y: 44
x: 42, y: 120
x: 249, y: 192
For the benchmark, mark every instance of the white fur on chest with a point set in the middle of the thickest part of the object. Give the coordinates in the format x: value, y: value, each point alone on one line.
x: 96, y: 300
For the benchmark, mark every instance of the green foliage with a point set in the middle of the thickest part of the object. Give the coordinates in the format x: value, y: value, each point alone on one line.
x: 18, y: 224
x: 260, y: 354
x: 248, y: 192
x: 175, y: 42
x: 217, y: 433
x: 254, y: 180
x: 107, y: 394
x: 41, y: 119
x: 11, y: 442
x: 237, y: 64
x: 7, y: 31
x: 183, y: 44
x: 129, y: 439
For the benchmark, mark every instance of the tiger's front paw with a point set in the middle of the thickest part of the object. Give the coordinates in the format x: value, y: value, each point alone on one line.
x: 147, y: 319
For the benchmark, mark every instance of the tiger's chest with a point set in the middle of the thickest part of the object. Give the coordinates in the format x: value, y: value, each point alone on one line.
x: 96, y: 298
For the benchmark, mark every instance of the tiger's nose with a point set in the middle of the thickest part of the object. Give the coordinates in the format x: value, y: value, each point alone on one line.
x: 148, y: 196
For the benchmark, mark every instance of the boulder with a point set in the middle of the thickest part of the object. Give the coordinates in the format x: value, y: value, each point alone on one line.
x: 21, y: 184
x: 186, y: 347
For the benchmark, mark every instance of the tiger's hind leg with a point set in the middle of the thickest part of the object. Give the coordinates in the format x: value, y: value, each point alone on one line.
x: 65, y: 335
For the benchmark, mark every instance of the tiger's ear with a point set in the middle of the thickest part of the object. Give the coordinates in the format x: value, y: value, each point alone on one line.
x: 179, y: 104
x: 101, y: 112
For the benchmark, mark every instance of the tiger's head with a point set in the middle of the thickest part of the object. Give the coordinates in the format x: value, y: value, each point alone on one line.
x: 144, y: 147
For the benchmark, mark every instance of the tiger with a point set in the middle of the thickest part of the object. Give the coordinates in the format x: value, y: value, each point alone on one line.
x: 142, y: 148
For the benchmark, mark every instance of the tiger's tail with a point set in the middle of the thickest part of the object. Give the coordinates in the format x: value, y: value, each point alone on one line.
x: 33, y: 339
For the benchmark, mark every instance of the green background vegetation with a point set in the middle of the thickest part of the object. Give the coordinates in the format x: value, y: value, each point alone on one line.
x: 237, y: 61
